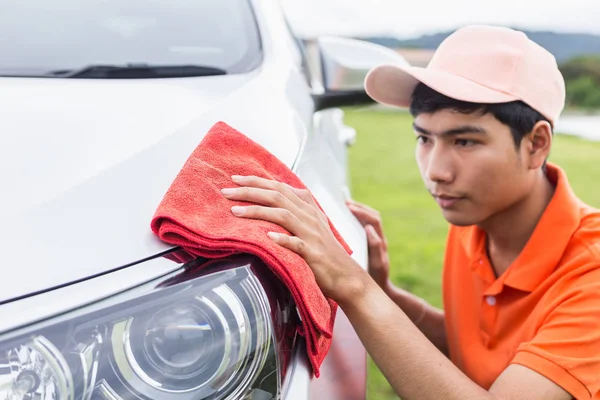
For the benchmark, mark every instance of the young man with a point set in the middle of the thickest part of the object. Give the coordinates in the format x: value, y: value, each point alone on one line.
x: 521, y: 278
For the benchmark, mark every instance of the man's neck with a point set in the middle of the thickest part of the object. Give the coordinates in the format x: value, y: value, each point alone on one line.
x: 507, y: 233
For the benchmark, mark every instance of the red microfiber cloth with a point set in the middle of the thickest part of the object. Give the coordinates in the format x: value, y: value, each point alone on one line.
x: 197, y: 217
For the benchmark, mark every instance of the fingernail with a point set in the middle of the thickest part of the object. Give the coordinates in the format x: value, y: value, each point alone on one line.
x: 273, y: 235
x: 228, y: 191
x: 238, y: 210
x: 237, y: 178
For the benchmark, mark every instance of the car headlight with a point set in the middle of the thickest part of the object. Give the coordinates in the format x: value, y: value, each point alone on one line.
x: 188, y: 337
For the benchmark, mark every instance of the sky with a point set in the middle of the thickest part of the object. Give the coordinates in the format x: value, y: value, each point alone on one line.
x: 412, y: 18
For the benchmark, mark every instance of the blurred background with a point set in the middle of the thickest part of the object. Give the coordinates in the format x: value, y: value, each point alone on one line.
x: 383, y: 169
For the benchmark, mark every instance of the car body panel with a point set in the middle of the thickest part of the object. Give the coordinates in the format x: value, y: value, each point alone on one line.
x: 75, y: 157
x: 344, y: 370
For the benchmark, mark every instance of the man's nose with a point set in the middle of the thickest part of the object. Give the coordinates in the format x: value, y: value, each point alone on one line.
x: 440, y: 165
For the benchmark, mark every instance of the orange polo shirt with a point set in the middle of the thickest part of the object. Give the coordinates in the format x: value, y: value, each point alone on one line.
x: 543, y: 312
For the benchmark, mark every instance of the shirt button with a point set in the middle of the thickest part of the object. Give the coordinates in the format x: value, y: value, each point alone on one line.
x: 491, y: 300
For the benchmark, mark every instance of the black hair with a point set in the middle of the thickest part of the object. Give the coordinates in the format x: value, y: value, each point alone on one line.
x: 517, y: 115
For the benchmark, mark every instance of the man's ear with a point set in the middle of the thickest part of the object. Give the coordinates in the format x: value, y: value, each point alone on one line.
x: 538, y: 143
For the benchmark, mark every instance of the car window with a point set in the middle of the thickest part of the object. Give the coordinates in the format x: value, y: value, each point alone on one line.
x: 44, y: 35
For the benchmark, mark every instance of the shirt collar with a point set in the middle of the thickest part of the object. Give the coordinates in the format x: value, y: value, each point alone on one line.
x: 547, y: 244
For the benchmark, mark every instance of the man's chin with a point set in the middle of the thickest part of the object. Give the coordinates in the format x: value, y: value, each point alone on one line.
x: 458, y: 218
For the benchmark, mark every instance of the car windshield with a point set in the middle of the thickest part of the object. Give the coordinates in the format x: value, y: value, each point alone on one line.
x: 65, y: 37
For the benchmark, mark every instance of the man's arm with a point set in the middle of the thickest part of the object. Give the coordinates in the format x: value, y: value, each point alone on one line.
x: 428, y: 319
x: 415, y: 368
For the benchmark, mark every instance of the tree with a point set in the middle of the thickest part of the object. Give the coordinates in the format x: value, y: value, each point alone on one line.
x: 582, y: 79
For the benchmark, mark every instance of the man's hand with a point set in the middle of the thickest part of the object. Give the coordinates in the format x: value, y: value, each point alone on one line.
x: 296, y: 211
x: 379, y: 263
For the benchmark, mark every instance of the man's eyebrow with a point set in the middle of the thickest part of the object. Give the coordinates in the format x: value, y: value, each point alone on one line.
x: 451, y: 132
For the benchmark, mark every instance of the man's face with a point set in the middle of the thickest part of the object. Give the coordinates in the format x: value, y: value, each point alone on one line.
x: 470, y: 165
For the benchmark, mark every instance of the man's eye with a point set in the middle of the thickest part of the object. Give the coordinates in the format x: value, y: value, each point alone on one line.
x: 422, y: 139
x: 465, y: 142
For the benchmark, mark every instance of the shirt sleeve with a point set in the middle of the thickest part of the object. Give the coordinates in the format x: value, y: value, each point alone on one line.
x: 566, y: 348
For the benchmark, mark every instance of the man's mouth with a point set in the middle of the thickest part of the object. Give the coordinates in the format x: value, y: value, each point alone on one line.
x: 446, y: 201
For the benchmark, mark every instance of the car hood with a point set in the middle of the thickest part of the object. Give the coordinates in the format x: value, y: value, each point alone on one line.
x: 85, y: 163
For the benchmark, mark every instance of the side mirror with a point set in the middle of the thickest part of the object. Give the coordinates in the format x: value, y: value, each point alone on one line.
x: 344, y: 64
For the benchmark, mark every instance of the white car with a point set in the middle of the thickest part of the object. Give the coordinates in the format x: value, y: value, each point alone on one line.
x: 101, y: 103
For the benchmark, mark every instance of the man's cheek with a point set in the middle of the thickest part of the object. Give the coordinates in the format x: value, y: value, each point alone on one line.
x: 499, y: 186
x: 422, y: 165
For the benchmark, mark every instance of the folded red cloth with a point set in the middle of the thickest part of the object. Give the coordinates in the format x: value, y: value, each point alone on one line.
x: 196, y: 216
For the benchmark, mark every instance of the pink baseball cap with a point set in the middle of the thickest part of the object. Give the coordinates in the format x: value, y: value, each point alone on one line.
x: 479, y: 64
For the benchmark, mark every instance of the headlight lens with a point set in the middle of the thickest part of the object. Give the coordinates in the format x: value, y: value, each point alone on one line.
x: 35, y: 370
x: 208, y: 337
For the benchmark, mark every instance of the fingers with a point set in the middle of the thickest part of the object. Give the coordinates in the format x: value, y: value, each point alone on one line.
x: 378, y: 256
x: 293, y: 243
x: 280, y: 216
x: 362, y: 215
x: 367, y: 216
x: 265, y: 197
x: 304, y: 195
x: 307, y: 197
x: 374, y: 241
x: 362, y: 206
x: 283, y: 189
x: 275, y: 194
x: 365, y: 212
x: 363, y: 209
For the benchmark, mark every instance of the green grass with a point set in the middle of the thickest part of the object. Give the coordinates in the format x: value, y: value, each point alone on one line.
x: 385, y: 176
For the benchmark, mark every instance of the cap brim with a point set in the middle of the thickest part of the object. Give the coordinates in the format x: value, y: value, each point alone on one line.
x: 394, y: 85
